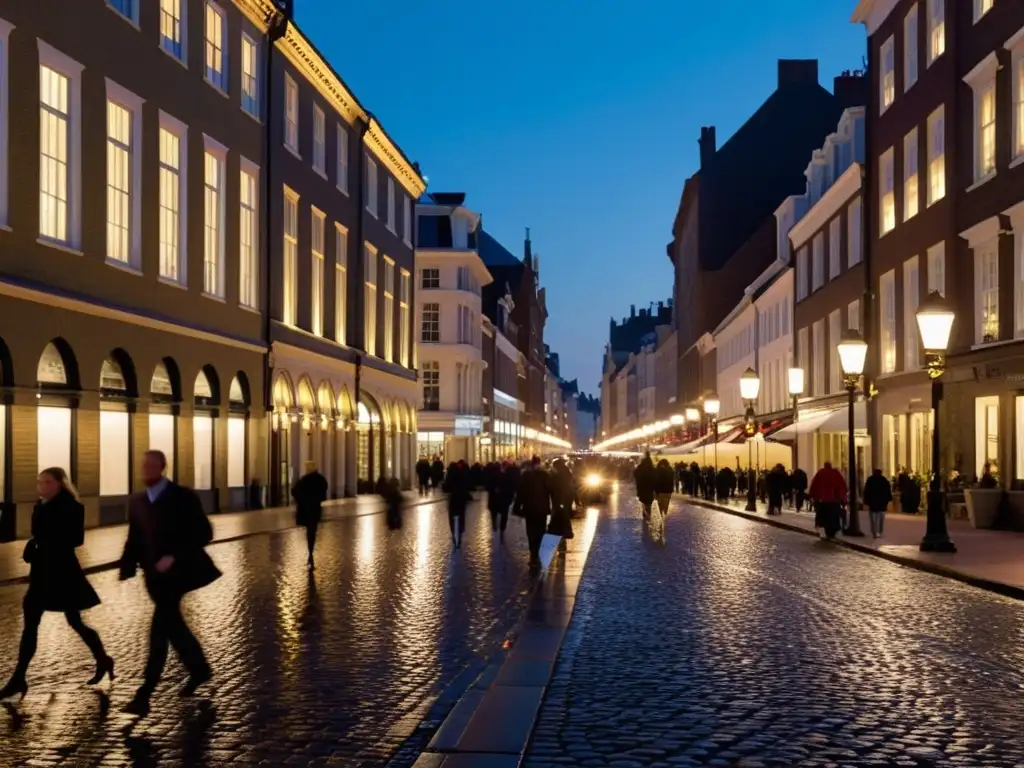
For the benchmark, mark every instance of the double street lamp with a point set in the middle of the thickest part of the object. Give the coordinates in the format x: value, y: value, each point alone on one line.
x: 711, y: 408
x: 750, y: 386
x: 853, y: 352
x: 935, y: 322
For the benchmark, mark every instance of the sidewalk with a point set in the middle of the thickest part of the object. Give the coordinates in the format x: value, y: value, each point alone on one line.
x: 103, y: 546
x: 992, y: 560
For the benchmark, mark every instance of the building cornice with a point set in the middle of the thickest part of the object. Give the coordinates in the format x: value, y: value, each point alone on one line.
x: 259, y: 12
x: 872, y: 13
x: 303, y: 55
x: 392, y: 158
x: 827, y: 206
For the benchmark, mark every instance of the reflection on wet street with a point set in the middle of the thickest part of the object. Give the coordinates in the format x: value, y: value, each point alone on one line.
x: 335, y: 668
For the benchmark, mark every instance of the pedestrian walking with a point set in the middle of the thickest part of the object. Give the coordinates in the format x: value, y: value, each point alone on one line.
x: 664, y: 484
x: 563, y: 494
x: 828, y: 491
x: 533, y: 504
x: 644, y: 477
x: 877, y: 496
x: 799, y: 482
x: 167, y: 536
x: 389, y: 490
x: 423, y: 475
x: 437, y: 473
x: 456, y: 485
x: 56, y: 580
x: 775, y: 482
x: 310, y: 492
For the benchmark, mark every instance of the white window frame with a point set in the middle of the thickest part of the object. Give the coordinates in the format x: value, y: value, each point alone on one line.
x: 819, y: 382
x: 250, y: 102
x: 853, y: 315
x: 911, y: 48
x: 434, y: 273
x: 937, y: 155
x: 182, y: 22
x: 911, y: 176
x: 216, y: 79
x: 887, y: 81
x: 371, y: 257
x: 986, y: 292
x: 802, y: 273
x: 318, y: 272
x: 1015, y: 45
x: 5, y: 32
x: 291, y: 115
x: 911, y: 301
x: 981, y: 8
x: 886, y: 192
x: 132, y: 16
x: 818, y: 261
x: 341, y: 163
x: 389, y: 309
x: 340, y: 283
x: 406, y: 220
x: 179, y: 130
x: 251, y: 285
x: 937, y: 268
x: 887, y: 348
x: 128, y: 101
x: 835, y: 334
x: 53, y: 59
x: 835, y: 248
x: 371, y: 186
x: 936, y: 29
x: 982, y: 80
x: 391, y: 205
x: 404, y: 331
x: 854, y: 232
x: 319, y: 141
x: 219, y: 152
x: 289, y: 260
x: 425, y: 337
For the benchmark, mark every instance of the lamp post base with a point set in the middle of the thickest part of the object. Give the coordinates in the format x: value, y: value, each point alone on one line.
x: 853, y: 529
x: 936, y: 537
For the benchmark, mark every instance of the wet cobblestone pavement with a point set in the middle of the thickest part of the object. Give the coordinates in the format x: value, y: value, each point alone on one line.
x: 734, y: 643
x: 337, y: 670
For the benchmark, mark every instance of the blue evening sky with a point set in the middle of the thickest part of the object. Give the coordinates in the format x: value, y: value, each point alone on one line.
x: 576, y: 118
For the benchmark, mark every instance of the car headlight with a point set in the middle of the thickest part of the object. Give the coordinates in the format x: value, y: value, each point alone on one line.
x: 593, y: 481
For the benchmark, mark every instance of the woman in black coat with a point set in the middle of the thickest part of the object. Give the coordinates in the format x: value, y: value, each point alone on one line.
x: 56, y: 580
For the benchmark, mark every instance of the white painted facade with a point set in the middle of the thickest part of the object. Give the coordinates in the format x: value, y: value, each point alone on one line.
x: 736, y: 345
x: 774, y: 308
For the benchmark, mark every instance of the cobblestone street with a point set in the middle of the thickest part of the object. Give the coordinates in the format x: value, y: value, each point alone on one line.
x: 338, y: 669
x: 734, y: 643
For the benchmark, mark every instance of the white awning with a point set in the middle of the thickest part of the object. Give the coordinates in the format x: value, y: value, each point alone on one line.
x: 832, y: 420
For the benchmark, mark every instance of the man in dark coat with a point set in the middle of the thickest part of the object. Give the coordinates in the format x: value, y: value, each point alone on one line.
x: 437, y: 473
x: 644, y: 476
x: 423, y: 475
x: 167, y: 535
x: 877, y: 496
x: 310, y: 492
x: 775, y: 483
x: 533, y: 503
x: 457, y: 486
x: 799, y: 488
x: 563, y: 494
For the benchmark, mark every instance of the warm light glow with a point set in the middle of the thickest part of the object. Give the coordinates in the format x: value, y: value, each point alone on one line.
x: 712, y: 406
x: 935, y: 322
x: 750, y: 384
x: 796, y: 382
x: 692, y: 415
x: 853, y: 351
x: 677, y: 420
x: 593, y: 480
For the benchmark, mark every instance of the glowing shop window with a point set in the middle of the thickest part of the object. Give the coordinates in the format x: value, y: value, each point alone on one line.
x: 161, y: 437
x: 202, y: 443
x: 54, y: 438
x: 236, y: 451
x: 114, y: 453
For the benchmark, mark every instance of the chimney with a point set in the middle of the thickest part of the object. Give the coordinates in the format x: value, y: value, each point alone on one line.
x: 798, y: 71
x: 632, y: 310
x: 708, y: 147
x: 851, y: 89
x: 527, y: 250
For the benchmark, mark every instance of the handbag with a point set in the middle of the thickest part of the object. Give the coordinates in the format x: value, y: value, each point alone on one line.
x: 29, y: 553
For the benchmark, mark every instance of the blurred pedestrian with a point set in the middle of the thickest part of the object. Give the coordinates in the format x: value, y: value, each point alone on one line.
x: 167, y: 535
x: 644, y: 477
x: 563, y: 494
x: 437, y: 473
x: 664, y: 485
x: 390, y: 491
x: 828, y: 491
x: 799, y: 481
x: 877, y: 496
x: 310, y: 492
x: 423, y: 475
x: 56, y: 580
x: 775, y: 482
x: 456, y: 485
x: 533, y: 504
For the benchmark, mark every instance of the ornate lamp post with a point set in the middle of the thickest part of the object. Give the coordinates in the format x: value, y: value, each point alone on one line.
x: 935, y: 321
x: 711, y: 408
x: 853, y: 351
x: 796, y: 388
x: 750, y: 386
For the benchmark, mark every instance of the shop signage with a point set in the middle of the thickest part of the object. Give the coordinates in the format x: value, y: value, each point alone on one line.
x: 468, y: 426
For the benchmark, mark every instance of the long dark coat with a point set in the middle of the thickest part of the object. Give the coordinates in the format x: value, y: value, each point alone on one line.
x: 56, y: 580
x: 310, y: 492
x: 644, y: 476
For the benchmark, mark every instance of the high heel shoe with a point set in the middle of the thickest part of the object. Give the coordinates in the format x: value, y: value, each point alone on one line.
x: 104, y: 667
x: 16, y: 686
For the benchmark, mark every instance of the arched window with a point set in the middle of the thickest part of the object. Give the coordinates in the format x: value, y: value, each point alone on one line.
x: 115, y: 456
x: 238, y: 407
x: 164, y: 395
x: 206, y: 397
x: 51, y: 369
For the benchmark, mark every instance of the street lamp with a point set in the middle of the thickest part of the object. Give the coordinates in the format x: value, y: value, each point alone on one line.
x: 711, y: 408
x: 750, y: 386
x: 796, y: 388
x: 853, y: 351
x: 935, y: 321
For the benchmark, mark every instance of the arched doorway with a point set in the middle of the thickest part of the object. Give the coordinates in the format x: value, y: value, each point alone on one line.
x: 119, y: 391
x: 283, y: 395
x: 205, y: 403
x: 368, y: 443
x: 58, y: 385
x: 309, y: 423
x: 239, y: 401
x: 164, y: 405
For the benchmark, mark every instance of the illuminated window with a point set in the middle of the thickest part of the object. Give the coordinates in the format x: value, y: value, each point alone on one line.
x: 369, y: 299
x: 248, y: 236
x: 316, y: 288
x: 290, y: 266
x: 910, y: 48
x: 291, y: 114
x: 936, y: 156
x: 340, y: 282
x: 216, y: 50
x: 936, y: 29
x: 250, y: 76
x: 887, y: 192
x: 319, y: 141
x: 887, y: 312
x: 172, y: 28
x: 173, y: 143
x: 888, y: 80
x: 911, y: 188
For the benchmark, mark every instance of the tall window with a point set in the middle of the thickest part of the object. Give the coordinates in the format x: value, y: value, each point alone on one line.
x: 911, y: 300
x: 370, y: 298
x: 404, y: 297
x: 250, y: 76
x: 371, y: 187
x: 835, y: 330
x: 937, y: 268
x: 431, y: 373
x: 316, y: 288
x: 986, y: 275
x: 216, y: 49
x: 854, y: 225
x: 391, y: 204
x: 290, y: 281
x: 818, y: 270
x: 248, y: 237
x: 801, y: 274
x: 887, y: 312
x: 172, y: 200
x: 888, y: 80
x: 835, y: 244
x: 340, y: 283
x: 887, y: 192
x: 389, y: 310
x: 172, y: 28
x: 910, y: 48
x: 213, y: 230
x: 937, y: 155
x: 54, y: 154
x: 853, y: 315
x: 291, y: 114
x: 430, y: 278
x: 936, y: 29
x: 818, y: 342
x: 127, y: 8
x: 981, y: 7
x: 119, y: 182
x: 342, y: 159
x: 430, y: 327
x: 319, y: 141
x: 406, y: 220
x: 985, y: 129
x: 911, y: 191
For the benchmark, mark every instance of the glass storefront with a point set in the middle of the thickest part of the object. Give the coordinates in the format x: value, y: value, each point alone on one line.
x: 429, y: 445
